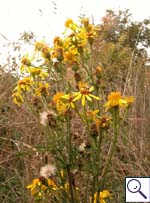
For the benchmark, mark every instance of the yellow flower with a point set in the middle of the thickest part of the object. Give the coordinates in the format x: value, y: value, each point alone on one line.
x: 37, y: 72
x: 71, y: 55
x: 45, y: 52
x: 52, y: 184
x: 68, y: 23
x: 115, y: 100
x: 105, y: 194
x: 36, y: 182
x: 98, y: 71
x: 62, y: 173
x: 42, y: 89
x: 39, y: 46
x: 85, y: 21
x: 130, y: 100
x: 68, y: 99
x: 61, y: 106
x: 83, y: 85
x: 83, y: 94
x: 17, y: 98
x: 91, y: 36
x: 67, y: 42
x: 24, y: 84
x: 58, y: 41
x: 102, y: 196
x: 41, y: 184
x: 58, y: 54
x: 57, y: 97
x: 64, y: 103
x: 82, y: 38
x: 92, y: 114
x: 25, y: 61
x: 66, y: 187
x: 103, y: 122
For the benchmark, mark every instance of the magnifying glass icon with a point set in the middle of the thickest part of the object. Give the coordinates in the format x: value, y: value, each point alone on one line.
x: 134, y: 186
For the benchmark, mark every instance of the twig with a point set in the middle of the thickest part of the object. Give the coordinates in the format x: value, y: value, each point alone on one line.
x: 19, y: 142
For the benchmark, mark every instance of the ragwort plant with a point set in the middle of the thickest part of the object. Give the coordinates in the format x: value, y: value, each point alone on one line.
x: 61, y: 86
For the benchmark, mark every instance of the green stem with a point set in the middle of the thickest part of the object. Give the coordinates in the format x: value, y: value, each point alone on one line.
x: 91, y: 62
x: 90, y: 74
x: 86, y: 120
x: 69, y: 161
x: 113, y: 144
x: 77, y: 111
x: 62, y: 77
x: 69, y: 140
x: 97, y: 167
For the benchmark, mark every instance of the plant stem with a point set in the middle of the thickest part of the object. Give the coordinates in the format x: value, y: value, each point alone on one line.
x: 113, y: 144
x: 69, y: 161
x: 97, y: 167
x: 70, y: 184
x: 93, y: 188
x: 89, y: 72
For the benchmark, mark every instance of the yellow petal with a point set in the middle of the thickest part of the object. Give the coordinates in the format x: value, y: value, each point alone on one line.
x: 93, y: 96
x: 88, y: 98
x: 34, y: 192
x: 107, y: 105
x: 72, y: 105
x: 83, y: 100
x: 123, y: 102
x: 29, y: 186
x: 33, y: 187
x: 44, y: 187
x: 95, y: 111
x: 91, y: 89
x: 78, y: 96
x: 66, y: 96
x: 61, y: 107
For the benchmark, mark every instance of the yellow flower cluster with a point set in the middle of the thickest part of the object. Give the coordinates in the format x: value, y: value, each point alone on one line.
x: 69, y: 49
x: 26, y: 85
x: 43, y: 185
x: 65, y: 52
x: 32, y: 82
x: 22, y: 86
x: 40, y: 185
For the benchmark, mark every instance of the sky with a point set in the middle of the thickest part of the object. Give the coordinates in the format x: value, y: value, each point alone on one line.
x: 41, y: 17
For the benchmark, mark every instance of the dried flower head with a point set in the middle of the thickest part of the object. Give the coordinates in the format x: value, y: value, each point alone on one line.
x: 47, y: 171
x: 44, y: 118
x: 48, y: 118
